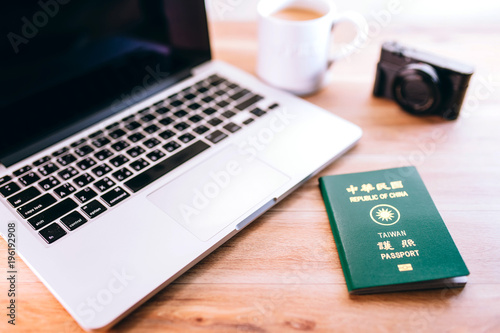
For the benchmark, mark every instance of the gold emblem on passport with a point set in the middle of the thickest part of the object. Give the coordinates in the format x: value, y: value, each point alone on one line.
x: 385, y: 214
x: 405, y: 267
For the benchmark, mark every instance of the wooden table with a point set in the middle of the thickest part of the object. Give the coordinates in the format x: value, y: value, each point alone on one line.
x: 282, y: 273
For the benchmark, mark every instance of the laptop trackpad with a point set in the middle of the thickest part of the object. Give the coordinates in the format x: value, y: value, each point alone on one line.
x: 216, y: 192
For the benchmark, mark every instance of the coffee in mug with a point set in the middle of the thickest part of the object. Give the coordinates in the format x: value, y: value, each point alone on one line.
x: 295, y: 39
x: 297, y: 14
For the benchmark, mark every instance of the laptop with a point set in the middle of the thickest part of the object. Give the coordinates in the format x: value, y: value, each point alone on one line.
x: 128, y: 154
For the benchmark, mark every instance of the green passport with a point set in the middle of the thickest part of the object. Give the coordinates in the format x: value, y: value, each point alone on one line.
x: 389, y: 234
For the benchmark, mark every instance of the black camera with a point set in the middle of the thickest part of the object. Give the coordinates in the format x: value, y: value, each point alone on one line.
x: 421, y: 83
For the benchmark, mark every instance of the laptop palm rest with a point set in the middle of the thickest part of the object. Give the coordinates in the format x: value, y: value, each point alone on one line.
x: 218, y: 191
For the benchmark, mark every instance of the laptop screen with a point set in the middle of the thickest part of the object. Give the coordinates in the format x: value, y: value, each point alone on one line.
x: 66, y: 64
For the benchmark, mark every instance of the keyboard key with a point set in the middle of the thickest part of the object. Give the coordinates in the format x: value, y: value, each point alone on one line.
x: 190, y: 96
x: 167, y: 134
x: 104, y: 184
x: 201, y: 129
x: 181, y: 126
x: 248, y: 121
x: 151, y: 142
x: 180, y: 113
x: 117, y: 134
x: 5, y: 179
x: 68, y: 173
x: 119, y: 160
x: 84, y: 180
x: 194, y: 106
x: 143, y: 111
x: 24, y: 196
x: 60, y: 209
x: 239, y: 94
x: 101, y: 170
x: 249, y: 102
x: 166, y: 121
x: 93, y: 209
x: 73, y: 220
x: 150, y: 175
x: 151, y: 129
x: 115, y: 196
x: 127, y: 118
x: 136, y: 137
x: 85, y: 195
x: 216, y: 136
x: 258, y: 112
x: 228, y: 114
x: 139, y: 164
x: 41, y: 161
x: 9, y: 189
x: 196, y: 118
x: 214, y: 77
x: 103, y: 154
x: 101, y: 142
x: 77, y: 143
x: 36, y: 205
x: 171, y: 146
x: 95, y: 134
x: 52, y: 233
x: 207, y: 99
x: 48, y: 169
x: 29, y: 178
x: 220, y: 92
x: 155, y: 155
x: 49, y: 183
x: 24, y: 169
x: 201, y: 90
x: 216, y: 80
x: 132, y: 125
x: 162, y: 110
x: 222, y: 104
x: 111, y: 126
x: 122, y: 174
x: 64, y: 190
x: 186, y: 138
x: 86, y: 163
x: 60, y: 151
x: 209, y: 111
x: 232, y: 127
x: 147, y: 118
x: 176, y: 103
x: 273, y: 106
x: 84, y: 150
x: 120, y: 145
x: 214, y: 121
x: 136, y: 151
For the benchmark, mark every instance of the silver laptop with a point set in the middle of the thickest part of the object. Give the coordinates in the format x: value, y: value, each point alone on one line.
x: 127, y: 154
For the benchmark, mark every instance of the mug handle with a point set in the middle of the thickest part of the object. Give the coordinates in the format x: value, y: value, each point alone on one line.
x: 361, y: 26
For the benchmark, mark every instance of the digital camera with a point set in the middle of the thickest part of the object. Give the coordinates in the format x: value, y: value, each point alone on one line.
x: 421, y: 83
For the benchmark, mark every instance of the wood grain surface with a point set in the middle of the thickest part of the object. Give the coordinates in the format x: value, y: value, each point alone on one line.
x: 282, y: 273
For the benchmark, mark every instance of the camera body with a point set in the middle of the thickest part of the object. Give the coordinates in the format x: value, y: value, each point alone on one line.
x: 421, y: 83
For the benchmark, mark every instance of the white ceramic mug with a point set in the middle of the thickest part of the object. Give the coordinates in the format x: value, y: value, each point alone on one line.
x: 295, y: 55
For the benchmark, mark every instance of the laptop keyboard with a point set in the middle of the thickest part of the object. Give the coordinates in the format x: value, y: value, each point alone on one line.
x: 60, y: 192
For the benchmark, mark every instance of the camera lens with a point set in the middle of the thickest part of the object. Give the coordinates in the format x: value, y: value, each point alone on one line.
x: 416, y: 88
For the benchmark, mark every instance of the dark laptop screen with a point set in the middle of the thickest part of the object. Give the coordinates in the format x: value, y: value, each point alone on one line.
x: 65, y: 64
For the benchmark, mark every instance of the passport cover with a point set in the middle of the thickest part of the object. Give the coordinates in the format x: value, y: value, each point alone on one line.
x: 389, y: 234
